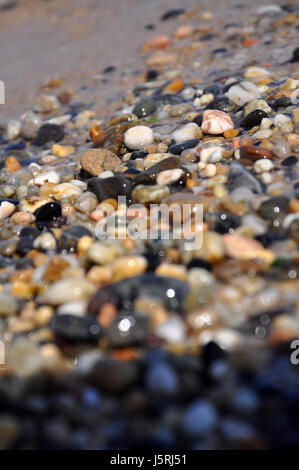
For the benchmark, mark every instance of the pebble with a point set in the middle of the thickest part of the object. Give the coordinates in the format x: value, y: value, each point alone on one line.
x: 145, y: 108
x: 273, y: 207
x: 46, y: 241
x: 30, y: 125
x: 127, y: 266
x: 257, y: 104
x: 8, y: 304
x: 246, y: 248
x: 243, y: 93
x: 48, y: 133
x: 161, y: 379
x: 47, y: 177
x: 68, y: 290
x: 75, y: 328
x: 169, y: 176
x: 13, y: 129
x: 95, y: 161
x: 177, y: 149
x: 104, y: 252
x: 46, y: 104
x: 212, y: 154
x: 146, y: 194
x: 189, y: 131
x: 263, y: 165
x: 47, y: 213
x: 253, y: 119
x: 109, y: 187
x: 216, y: 122
x: 199, y: 419
x: 6, y: 209
x: 138, y: 137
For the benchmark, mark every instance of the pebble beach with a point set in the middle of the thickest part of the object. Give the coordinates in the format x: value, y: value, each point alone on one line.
x: 126, y: 343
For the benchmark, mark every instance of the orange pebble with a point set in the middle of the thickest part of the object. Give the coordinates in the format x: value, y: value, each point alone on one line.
x: 95, y: 132
x: 106, y: 314
x: 157, y: 42
x: 12, y: 164
x: 175, y: 86
x: 249, y: 42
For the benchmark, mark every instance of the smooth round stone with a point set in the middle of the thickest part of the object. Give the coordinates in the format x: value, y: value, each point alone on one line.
x: 46, y: 103
x: 47, y: 177
x: 161, y: 379
x: 189, y: 131
x: 48, y: 133
x: 45, y: 241
x: 149, y: 176
x: 264, y: 164
x: 216, y: 122
x: 282, y: 102
x: 169, y: 176
x: 178, y: 110
x: 243, y: 92
x: 47, y: 213
x: 68, y: 290
x: 13, y: 129
x: 128, y: 330
x: 24, y: 357
x: 86, y: 202
x: 104, y: 252
x: 199, y: 419
x: 253, y: 119
x: 145, y: 108
x: 290, y: 161
x: 30, y: 125
x: 138, y: 136
x: 177, y: 149
x: 273, y: 207
x: 76, y: 329
x: 128, y: 266
x: 109, y: 188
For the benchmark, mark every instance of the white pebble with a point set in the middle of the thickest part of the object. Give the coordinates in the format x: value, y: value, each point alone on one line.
x: 212, y: 154
x: 106, y: 174
x: 264, y: 164
x: 45, y: 241
x: 281, y: 119
x: 266, y: 178
x: 47, y: 177
x: 209, y: 171
x: 266, y: 123
x: 13, y: 129
x: 138, y: 136
x: 206, y: 99
x: 243, y: 93
x: 262, y: 134
x: 188, y: 131
x: 169, y: 176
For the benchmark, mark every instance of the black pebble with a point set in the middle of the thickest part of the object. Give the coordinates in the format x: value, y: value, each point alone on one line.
x: 47, y: 214
x: 290, y: 161
x: 49, y: 133
x: 29, y: 232
x: 151, y: 74
x: 136, y: 333
x: 24, y: 245
x: 214, y: 89
x: 267, y: 238
x: 199, y: 263
x: 177, y: 149
x: 295, y: 57
x: 225, y: 222
x: 109, y: 69
x: 110, y: 187
x: 172, y: 13
x: 138, y: 154
x: 253, y: 119
x: 282, y: 102
x: 198, y: 120
x: 76, y: 329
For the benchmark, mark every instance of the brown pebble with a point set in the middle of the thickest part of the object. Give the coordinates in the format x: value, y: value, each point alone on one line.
x: 94, y: 161
x: 253, y: 153
x: 12, y: 164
